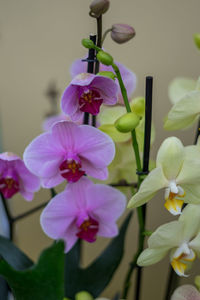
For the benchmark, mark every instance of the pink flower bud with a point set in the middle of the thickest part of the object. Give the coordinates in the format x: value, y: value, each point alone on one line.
x: 122, y: 33
x: 99, y: 7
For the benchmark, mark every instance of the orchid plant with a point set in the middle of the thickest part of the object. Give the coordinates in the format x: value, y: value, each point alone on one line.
x: 94, y: 146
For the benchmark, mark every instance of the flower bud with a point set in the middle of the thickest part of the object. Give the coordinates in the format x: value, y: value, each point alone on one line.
x: 122, y: 33
x: 138, y: 106
x: 127, y: 122
x: 87, y: 43
x: 99, y: 7
x: 197, y: 40
x: 108, y: 74
x: 83, y: 296
x: 105, y: 58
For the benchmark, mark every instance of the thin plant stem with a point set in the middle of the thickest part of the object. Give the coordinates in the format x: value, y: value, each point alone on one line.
x: 99, y: 39
x: 128, y: 109
x: 105, y: 34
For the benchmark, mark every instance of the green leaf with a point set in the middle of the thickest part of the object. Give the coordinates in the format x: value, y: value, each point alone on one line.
x: 13, y: 255
x: 96, y: 276
x: 44, y: 280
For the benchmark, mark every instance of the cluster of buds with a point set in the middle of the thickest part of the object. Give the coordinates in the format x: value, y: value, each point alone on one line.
x: 120, y: 33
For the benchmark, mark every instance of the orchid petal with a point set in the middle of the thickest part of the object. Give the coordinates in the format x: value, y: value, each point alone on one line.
x: 192, y: 193
x: 190, y: 169
x: 41, y: 156
x: 151, y: 256
x: 191, y: 219
x: 152, y: 183
x: 184, y: 112
x: 167, y: 236
x: 195, y: 243
x: 170, y: 157
x: 179, y: 87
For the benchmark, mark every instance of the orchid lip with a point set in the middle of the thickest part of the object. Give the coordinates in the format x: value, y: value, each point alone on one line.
x: 71, y: 170
x: 90, y: 101
x: 172, y: 194
x: 88, y: 230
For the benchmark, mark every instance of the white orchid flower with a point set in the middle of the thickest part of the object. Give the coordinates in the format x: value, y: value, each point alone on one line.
x: 181, y: 238
x: 186, y: 292
x: 177, y: 171
x: 185, y: 95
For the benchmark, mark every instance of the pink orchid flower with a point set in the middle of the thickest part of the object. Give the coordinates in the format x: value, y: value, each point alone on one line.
x: 50, y: 121
x: 128, y: 76
x: 86, y: 93
x: 84, y: 210
x: 186, y: 292
x: 69, y: 151
x: 15, y: 177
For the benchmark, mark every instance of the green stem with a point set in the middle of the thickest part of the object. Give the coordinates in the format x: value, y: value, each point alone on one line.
x: 141, y: 217
x: 128, y: 109
x: 105, y: 34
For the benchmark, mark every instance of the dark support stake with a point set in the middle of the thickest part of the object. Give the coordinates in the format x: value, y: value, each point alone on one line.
x: 90, y: 69
x: 197, y: 132
x: 146, y: 153
x: 172, y: 283
x: 148, y: 118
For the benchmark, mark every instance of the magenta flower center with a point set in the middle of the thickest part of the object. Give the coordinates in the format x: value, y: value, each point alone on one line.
x: 88, y: 230
x: 90, y: 101
x: 70, y: 169
x: 8, y: 187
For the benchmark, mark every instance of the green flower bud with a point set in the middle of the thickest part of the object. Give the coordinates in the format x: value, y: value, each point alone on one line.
x: 197, y: 40
x: 122, y: 33
x: 87, y: 43
x: 138, y: 106
x: 99, y: 7
x: 105, y: 58
x: 197, y: 282
x: 107, y: 74
x: 83, y: 296
x: 127, y: 122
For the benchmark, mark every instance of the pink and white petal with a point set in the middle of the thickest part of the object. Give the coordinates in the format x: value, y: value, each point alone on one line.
x: 95, y: 146
x: 91, y: 170
x: 49, y: 182
x: 186, y: 292
x: 30, y: 182
x: 78, y: 67
x: 66, y: 135
x: 108, y: 230
x: 69, y: 100
x: 42, y: 156
x: 70, y: 237
x: 27, y: 195
x: 58, y: 215
x: 9, y: 156
x: 109, y: 203
x: 50, y: 121
x: 107, y: 88
x: 83, y: 79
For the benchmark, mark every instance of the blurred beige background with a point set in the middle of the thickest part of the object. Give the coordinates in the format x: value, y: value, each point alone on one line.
x: 38, y: 41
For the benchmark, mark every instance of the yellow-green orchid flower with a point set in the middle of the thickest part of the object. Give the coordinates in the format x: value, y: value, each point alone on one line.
x: 109, y: 115
x: 177, y: 171
x: 179, y: 238
x: 185, y: 95
x: 123, y: 167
